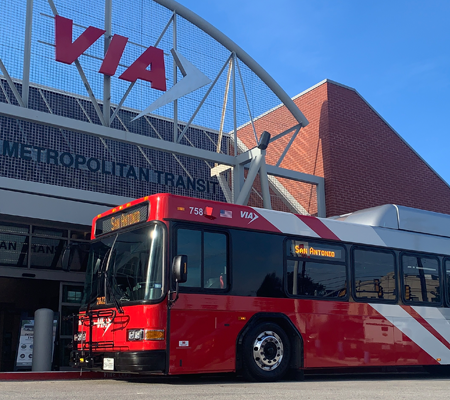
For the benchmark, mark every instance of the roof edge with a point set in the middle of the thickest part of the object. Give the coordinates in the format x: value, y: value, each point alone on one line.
x: 379, y: 116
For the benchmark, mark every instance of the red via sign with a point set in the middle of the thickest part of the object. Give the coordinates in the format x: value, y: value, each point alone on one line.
x: 67, y: 52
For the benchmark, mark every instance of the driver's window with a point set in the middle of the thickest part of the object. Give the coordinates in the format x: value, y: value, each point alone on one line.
x: 207, y: 258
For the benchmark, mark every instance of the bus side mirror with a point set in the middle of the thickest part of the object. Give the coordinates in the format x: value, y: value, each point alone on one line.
x: 68, y: 256
x: 179, y: 268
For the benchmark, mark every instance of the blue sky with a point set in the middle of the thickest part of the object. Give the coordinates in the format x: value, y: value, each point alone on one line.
x: 395, y: 53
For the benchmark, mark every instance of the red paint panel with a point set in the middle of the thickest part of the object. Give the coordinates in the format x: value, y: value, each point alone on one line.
x: 217, y: 213
x: 319, y: 227
x: 113, y: 55
x: 154, y: 58
x: 66, y: 51
x: 147, y: 317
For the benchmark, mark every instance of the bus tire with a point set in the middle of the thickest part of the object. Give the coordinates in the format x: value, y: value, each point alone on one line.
x: 266, y: 353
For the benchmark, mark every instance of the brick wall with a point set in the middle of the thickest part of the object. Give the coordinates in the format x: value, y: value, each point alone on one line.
x: 364, y: 162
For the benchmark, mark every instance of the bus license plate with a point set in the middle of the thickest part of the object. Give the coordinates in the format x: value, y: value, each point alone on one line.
x: 108, y: 364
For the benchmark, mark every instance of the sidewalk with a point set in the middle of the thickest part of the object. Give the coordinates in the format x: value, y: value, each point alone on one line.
x: 57, y: 375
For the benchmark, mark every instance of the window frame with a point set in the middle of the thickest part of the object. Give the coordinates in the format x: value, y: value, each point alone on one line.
x: 209, y: 229
x: 345, y: 263
x: 386, y: 250
x: 401, y: 270
x: 446, y: 279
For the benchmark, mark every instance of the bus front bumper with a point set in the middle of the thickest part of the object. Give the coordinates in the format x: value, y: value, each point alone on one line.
x: 152, y: 361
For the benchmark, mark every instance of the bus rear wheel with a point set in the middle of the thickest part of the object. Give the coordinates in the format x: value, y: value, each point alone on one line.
x: 266, y: 353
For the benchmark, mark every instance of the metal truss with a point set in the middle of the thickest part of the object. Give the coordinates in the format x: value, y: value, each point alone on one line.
x: 254, y: 159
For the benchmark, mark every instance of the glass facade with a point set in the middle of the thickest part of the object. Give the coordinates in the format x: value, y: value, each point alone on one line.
x: 37, y: 247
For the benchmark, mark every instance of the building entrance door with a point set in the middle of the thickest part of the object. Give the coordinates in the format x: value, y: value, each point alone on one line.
x: 19, y: 299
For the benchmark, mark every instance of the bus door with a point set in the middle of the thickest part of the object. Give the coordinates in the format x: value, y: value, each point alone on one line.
x: 200, y: 339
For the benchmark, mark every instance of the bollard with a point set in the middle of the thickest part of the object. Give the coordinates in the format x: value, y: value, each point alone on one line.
x: 43, y: 340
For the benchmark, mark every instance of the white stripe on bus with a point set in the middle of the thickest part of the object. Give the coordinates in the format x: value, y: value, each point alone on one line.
x: 435, y: 318
x: 354, y: 233
x: 287, y: 223
x: 414, y: 330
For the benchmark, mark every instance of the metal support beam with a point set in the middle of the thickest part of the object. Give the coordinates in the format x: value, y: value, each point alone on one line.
x: 107, y: 78
x: 244, y: 194
x: 175, y: 79
x: 321, y: 206
x: 11, y: 84
x: 70, y: 124
x: 264, y: 182
x: 234, y: 106
x: 211, y: 87
x: 27, y: 53
x: 288, y: 146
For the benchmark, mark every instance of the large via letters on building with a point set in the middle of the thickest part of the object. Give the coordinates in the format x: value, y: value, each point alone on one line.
x: 67, y: 52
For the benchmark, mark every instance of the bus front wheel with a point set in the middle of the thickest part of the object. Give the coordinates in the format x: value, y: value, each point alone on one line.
x: 266, y: 352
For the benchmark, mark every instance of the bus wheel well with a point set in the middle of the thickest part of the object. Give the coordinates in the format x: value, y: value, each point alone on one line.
x: 295, y: 338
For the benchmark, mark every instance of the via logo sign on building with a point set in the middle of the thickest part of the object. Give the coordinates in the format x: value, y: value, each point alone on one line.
x: 67, y: 52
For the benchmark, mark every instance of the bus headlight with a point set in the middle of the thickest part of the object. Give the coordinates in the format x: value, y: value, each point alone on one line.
x: 145, y: 334
x: 135, y: 334
x: 79, y: 337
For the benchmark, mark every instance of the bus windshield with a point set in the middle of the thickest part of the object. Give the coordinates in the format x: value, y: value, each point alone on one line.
x: 125, y: 267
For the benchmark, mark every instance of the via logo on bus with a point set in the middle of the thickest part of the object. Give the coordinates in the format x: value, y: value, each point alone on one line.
x: 103, y: 323
x: 249, y: 215
x: 67, y: 52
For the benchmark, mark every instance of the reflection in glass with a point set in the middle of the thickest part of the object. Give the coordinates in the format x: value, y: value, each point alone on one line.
x: 207, y: 258
x: 189, y: 242
x: 305, y: 278
x: 13, y: 250
x: 215, y: 260
x: 46, y: 252
x: 126, y: 266
x: 374, y: 274
x: 421, y: 279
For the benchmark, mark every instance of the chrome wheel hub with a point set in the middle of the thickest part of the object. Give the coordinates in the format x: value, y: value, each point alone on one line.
x: 268, y: 350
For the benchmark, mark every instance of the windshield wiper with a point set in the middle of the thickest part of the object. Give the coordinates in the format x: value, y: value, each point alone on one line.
x: 114, y: 298
x: 108, y: 288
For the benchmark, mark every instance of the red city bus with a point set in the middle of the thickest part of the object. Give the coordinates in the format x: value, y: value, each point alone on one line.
x: 177, y: 285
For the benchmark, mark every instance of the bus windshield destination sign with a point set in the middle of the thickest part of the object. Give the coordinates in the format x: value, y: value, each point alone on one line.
x: 122, y: 219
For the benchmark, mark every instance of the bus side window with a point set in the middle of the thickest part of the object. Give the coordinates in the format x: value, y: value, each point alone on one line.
x: 421, y: 279
x: 374, y: 274
x: 215, y: 260
x: 447, y: 275
x: 207, y: 253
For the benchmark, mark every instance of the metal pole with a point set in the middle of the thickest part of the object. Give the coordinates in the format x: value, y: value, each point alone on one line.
x: 264, y: 182
x: 106, y: 78
x: 321, y: 205
x: 175, y: 78
x: 27, y: 53
x: 43, y: 340
x: 234, y: 106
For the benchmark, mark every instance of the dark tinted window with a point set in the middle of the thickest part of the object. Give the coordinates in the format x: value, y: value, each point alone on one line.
x: 46, y: 252
x: 215, y: 260
x: 79, y: 256
x: 421, y: 279
x: 38, y: 230
x: 189, y: 242
x: 374, y: 274
x: 316, y: 269
x: 319, y: 279
x: 13, y: 250
x: 207, y: 258
x: 447, y: 273
x: 13, y: 228
x: 257, y: 264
